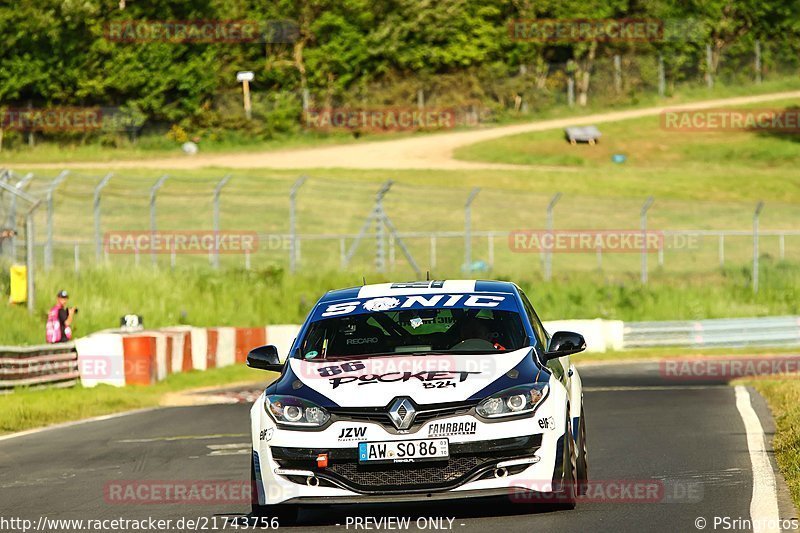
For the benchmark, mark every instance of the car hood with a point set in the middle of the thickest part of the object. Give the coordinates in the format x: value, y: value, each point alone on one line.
x: 426, y: 379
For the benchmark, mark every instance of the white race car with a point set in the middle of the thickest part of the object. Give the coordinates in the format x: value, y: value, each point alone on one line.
x: 419, y: 391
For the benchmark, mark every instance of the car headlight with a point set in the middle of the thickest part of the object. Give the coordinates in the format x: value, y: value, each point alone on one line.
x: 294, y: 411
x: 515, y: 401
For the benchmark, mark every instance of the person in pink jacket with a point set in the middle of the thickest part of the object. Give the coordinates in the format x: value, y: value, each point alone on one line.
x: 59, y: 319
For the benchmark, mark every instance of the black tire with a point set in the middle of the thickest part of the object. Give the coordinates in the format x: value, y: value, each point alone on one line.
x: 582, y: 463
x: 568, y: 486
x: 261, y: 514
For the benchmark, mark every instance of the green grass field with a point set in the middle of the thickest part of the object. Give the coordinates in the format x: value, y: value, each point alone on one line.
x: 708, y: 181
x: 203, y: 297
x: 699, y: 181
x: 158, y: 145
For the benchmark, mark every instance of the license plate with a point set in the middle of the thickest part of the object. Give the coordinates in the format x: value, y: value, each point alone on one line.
x: 403, y: 451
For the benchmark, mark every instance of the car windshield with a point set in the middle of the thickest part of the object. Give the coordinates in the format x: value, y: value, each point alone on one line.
x: 414, y: 331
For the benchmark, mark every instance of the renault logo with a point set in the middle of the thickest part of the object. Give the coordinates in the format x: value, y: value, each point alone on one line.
x: 402, y: 413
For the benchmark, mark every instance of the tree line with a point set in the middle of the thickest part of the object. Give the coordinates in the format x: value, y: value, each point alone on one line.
x: 327, y: 53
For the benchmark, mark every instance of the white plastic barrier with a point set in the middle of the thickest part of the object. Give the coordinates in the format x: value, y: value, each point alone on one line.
x: 226, y: 346
x: 282, y: 336
x: 101, y: 359
x: 199, y: 338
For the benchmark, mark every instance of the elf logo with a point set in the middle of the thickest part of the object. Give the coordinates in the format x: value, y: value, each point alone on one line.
x: 352, y: 433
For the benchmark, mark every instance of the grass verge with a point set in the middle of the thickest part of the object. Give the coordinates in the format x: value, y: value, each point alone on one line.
x: 31, y: 408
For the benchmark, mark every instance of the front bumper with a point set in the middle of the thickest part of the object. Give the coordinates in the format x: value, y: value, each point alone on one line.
x: 469, y: 461
x: 287, y: 471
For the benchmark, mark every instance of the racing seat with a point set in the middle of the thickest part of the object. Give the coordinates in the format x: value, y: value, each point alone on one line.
x: 358, y: 339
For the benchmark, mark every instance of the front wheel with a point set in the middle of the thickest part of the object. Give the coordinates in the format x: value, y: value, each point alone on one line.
x: 582, y: 463
x: 570, y: 488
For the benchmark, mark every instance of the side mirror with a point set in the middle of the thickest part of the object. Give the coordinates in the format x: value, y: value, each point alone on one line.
x: 565, y: 343
x: 265, y: 358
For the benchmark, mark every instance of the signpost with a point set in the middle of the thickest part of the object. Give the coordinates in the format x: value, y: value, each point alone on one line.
x: 245, y: 77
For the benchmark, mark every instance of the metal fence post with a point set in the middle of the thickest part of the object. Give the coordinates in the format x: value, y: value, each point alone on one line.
x: 153, y: 191
x: 391, y: 252
x: 293, y: 223
x: 758, y: 61
x: 709, y: 74
x: 468, y: 229
x: 570, y: 90
x: 217, y: 191
x: 380, y: 242
x: 48, y: 250
x: 12, y: 213
x: 30, y: 257
x: 756, y: 214
x: 380, y: 248
x: 643, y: 216
x: 548, y: 257
x: 661, y: 77
x: 376, y: 216
x: 98, y: 237
x: 721, y: 250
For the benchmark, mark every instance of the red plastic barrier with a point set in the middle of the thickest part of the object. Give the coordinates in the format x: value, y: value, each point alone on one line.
x: 247, y: 339
x: 140, y: 359
x: 211, y: 351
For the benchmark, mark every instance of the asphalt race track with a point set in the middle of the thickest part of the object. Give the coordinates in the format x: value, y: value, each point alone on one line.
x: 687, y: 436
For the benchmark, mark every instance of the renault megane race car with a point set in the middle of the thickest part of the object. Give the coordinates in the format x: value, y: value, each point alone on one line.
x: 419, y: 391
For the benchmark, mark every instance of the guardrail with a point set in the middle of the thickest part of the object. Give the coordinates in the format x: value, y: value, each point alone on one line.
x: 47, y: 364
x: 723, y: 333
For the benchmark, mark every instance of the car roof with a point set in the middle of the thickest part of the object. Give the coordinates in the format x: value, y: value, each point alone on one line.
x: 458, y: 286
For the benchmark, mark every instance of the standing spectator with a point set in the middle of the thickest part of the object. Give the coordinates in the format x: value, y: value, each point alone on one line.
x: 59, y: 319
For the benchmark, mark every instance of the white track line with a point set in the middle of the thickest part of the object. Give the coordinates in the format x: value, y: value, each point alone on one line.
x: 764, y: 504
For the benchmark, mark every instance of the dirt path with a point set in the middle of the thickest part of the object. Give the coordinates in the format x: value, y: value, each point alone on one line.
x: 418, y: 152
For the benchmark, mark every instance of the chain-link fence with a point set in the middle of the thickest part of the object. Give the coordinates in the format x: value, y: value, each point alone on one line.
x: 17, y: 228
x: 312, y: 224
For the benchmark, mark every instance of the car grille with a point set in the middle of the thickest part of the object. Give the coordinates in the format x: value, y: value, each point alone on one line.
x: 415, y: 475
